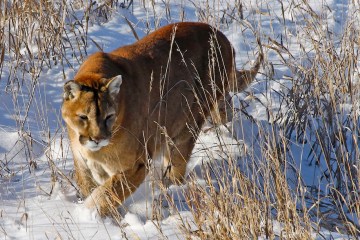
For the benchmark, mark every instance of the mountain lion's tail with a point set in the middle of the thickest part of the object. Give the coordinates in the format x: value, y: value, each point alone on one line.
x: 224, y: 112
x: 244, y: 77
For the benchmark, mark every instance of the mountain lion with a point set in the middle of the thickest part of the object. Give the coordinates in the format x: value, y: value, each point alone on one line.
x: 142, y: 101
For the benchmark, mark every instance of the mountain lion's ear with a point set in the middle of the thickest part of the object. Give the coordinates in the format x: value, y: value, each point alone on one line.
x: 70, y: 89
x: 113, y: 86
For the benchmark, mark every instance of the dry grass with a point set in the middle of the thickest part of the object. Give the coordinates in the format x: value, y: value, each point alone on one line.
x: 322, y: 116
x: 318, y: 115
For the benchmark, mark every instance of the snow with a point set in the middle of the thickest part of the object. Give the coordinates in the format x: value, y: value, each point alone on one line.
x: 35, y: 205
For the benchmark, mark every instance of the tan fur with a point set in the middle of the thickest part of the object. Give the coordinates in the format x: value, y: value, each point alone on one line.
x: 171, y: 81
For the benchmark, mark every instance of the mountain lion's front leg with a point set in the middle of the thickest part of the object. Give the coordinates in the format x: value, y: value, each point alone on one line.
x: 105, y: 198
x: 83, y: 178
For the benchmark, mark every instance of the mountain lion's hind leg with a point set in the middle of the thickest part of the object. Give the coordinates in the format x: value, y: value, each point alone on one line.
x: 177, y: 156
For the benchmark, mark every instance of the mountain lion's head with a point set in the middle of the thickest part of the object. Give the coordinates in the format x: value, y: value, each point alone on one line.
x: 90, y: 111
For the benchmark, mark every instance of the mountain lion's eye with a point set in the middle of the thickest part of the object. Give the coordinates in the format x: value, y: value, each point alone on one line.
x: 83, y: 117
x: 108, y: 117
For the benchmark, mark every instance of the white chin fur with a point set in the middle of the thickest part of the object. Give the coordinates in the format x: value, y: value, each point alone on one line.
x: 92, y: 146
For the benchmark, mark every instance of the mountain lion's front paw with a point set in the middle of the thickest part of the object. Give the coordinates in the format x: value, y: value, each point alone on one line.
x: 97, y: 200
x: 100, y: 199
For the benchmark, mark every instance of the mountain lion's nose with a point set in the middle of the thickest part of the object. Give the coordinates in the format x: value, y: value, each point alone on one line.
x: 96, y: 140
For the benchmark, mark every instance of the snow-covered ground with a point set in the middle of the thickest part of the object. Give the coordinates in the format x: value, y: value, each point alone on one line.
x: 37, y: 198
